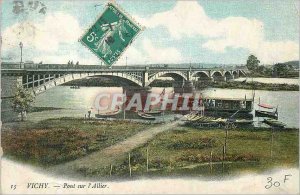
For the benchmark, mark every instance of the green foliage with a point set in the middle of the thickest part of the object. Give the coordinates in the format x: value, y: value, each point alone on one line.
x: 22, y: 100
x: 137, y: 158
x: 281, y: 69
x: 256, y: 85
x: 195, y: 146
x: 192, y: 144
x: 199, y: 158
x: 54, y: 141
x: 45, y: 147
x: 252, y: 63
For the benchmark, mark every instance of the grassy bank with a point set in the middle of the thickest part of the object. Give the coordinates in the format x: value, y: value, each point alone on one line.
x: 56, y: 141
x: 187, y: 152
x: 183, y: 151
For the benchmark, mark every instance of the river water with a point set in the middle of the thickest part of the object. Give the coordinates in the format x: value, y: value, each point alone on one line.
x: 77, y: 102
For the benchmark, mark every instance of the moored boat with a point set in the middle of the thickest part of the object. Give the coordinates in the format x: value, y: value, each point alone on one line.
x: 234, y: 121
x: 262, y: 113
x: 146, y: 116
x: 274, y: 123
x: 243, y: 122
x: 265, y: 106
x: 153, y: 112
x: 108, y: 114
x: 230, y: 105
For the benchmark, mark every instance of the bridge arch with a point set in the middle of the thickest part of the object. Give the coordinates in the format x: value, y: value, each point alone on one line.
x: 69, y: 77
x: 177, y: 75
x: 136, y: 79
x: 216, y: 74
x: 235, y: 74
x: 201, y: 75
x: 228, y: 75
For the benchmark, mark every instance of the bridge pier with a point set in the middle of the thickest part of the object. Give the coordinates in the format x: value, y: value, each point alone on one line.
x: 39, y: 79
x: 9, y: 85
x: 229, y: 78
x: 145, y: 79
x: 219, y: 78
x: 204, y: 79
x: 183, y: 87
x: 203, y: 82
x: 33, y: 76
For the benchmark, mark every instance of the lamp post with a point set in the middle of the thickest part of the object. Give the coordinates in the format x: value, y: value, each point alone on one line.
x: 21, y: 47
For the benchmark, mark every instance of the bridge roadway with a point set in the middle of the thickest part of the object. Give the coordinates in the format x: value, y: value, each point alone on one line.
x: 40, y: 77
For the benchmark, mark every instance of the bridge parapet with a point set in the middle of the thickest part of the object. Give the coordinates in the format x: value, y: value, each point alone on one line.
x: 5, y: 65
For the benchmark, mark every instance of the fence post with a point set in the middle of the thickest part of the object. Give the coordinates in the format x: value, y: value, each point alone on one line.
x: 223, y: 158
x: 110, y: 171
x: 225, y: 144
x: 210, y: 161
x: 147, y: 158
x: 272, y: 140
x: 129, y: 165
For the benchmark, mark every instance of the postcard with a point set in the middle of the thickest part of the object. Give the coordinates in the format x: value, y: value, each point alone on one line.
x: 149, y: 97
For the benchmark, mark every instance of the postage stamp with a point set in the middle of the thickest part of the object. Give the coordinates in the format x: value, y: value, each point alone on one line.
x: 111, y: 34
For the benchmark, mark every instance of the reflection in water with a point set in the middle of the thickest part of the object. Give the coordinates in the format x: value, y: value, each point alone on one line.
x: 77, y: 102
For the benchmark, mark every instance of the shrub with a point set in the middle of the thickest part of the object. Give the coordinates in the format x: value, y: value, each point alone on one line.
x: 45, y: 147
x: 192, y: 144
x: 206, y: 158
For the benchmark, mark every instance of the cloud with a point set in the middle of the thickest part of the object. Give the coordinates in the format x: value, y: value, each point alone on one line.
x: 188, y: 19
x: 148, y: 52
x: 55, y: 38
x: 46, y: 35
x: 145, y: 53
x: 50, y: 37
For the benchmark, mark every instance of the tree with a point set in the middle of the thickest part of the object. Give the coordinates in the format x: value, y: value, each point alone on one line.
x: 22, y: 101
x: 281, y: 69
x: 252, y: 63
x: 260, y: 69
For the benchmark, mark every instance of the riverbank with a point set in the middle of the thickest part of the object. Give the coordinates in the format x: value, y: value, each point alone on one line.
x: 181, y: 151
x: 98, y: 82
x: 234, y: 85
x: 251, y: 85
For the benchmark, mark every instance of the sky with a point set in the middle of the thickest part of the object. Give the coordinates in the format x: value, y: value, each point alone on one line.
x: 205, y: 31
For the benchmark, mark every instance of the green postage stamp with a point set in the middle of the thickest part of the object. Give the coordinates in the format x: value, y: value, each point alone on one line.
x: 111, y: 34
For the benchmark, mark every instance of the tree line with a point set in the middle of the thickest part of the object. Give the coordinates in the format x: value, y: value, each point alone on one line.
x: 276, y: 70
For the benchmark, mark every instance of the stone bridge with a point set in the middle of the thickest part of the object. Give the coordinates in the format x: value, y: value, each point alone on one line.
x: 41, y: 77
